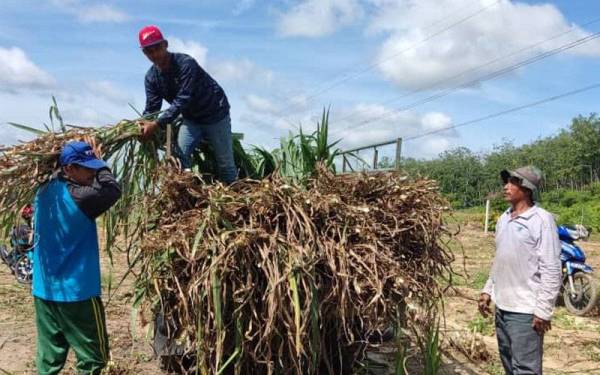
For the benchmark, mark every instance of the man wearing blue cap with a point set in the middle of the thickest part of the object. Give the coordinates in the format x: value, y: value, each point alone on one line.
x: 66, y: 271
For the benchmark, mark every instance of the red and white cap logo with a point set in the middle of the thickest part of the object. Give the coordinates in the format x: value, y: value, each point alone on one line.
x: 150, y: 35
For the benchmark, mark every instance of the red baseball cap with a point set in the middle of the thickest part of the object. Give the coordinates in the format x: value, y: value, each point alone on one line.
x: 149, y: 36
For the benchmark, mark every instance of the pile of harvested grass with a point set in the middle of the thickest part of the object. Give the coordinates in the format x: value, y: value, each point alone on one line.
x: 264, y: 277
x: 25, y: 165
x: 260, y: 276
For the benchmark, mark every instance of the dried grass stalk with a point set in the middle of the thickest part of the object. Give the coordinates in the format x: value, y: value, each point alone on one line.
x: 290, y: 280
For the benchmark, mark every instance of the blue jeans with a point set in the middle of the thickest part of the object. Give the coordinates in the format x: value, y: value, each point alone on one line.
x: 218, y: 135
x: 520, y: 346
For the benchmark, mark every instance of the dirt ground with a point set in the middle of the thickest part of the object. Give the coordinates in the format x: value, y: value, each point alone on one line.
x: 469, y: 344
x: 571, y: 347
x: 130, y: 349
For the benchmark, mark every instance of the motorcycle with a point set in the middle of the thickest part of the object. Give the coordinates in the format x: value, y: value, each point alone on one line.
x: 579, y: 289
x: 19, y: 258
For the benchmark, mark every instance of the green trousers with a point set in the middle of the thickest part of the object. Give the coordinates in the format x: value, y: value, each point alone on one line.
x: 77, y: 325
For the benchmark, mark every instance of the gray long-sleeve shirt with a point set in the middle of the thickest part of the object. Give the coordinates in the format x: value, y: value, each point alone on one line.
x: 526, y: 274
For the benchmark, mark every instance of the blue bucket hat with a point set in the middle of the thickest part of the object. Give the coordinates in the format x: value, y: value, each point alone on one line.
x: 80, y: 153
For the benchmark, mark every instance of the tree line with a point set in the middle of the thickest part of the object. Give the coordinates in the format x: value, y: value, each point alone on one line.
x: 569, y: 160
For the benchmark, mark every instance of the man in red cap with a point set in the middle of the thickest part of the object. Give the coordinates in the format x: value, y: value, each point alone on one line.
x: 191, y: 93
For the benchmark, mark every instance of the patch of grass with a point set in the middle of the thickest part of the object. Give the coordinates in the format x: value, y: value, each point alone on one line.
x: 430, y: 349
x: 459, y: 280
x: 17, y: 299
x: 562, y: 319
x: 468, y: 216
x: 481, y: 325
x: 494, y: 368
x: 592, y: 351
x: 475, y: 281
x: 455, y: 246
x: 478, y: 280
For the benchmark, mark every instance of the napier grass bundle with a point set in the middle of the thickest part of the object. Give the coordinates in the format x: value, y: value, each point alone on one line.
x: 26, y: 165
x: 290, y: 274
x: 262, y: 277
x: 23, y: 167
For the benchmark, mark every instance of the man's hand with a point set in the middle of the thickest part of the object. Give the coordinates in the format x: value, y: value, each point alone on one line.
x: 541, y: 326
x: 484, y: 304
x: 148, y: 128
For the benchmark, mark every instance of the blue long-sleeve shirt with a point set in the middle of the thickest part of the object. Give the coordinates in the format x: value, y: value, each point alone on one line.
x: 189, y: 90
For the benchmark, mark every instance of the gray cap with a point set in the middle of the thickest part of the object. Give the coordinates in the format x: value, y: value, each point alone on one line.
x: 530, y: 176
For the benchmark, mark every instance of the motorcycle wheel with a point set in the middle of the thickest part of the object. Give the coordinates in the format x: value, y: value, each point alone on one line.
x: 23, y: 270
x: 586, y: 294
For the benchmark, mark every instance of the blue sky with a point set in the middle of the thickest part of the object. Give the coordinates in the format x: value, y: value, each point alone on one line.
x: 281, y: 62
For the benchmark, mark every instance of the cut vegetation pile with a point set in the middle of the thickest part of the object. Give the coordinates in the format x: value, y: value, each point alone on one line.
x: 265, y: 277
x: 26, y: 165
x: 289, y: 273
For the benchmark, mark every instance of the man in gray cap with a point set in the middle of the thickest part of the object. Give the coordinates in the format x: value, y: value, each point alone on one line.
x: 525, y: 278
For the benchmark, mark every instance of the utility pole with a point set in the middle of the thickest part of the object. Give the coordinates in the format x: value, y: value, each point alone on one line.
x: 487, y: 216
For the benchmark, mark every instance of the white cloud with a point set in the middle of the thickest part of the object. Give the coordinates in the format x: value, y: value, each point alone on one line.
x: 189, y: 47
x: 353, y: 126
x: 315, y: 18
x: 110, y: 92
x: 299, y: 102
x: 499, y: 30
x: 78, y: 105
x: 17, y: 71
x: 357, y: 127
x: 280, y: 113
x: 260, y: 104
x: 91, y: 13
x: 101, y: 13
x: 434, y: 121
x: 431, y: 147
x: 242, y: 70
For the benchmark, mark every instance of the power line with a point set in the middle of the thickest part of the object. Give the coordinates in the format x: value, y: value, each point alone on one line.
x: 487, y: 77
x: 381, y: 61
x: 441, y: 82
x: 504, y: 112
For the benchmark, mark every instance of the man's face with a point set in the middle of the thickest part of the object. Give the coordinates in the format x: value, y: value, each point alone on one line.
x: 158, y: 54
x: 81, y: 175
x: 513, y: 191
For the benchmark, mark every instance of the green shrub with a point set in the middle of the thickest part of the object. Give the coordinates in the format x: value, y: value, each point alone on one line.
x: 569, y: 207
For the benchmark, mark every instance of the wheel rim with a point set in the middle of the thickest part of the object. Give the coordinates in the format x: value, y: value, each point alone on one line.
x: 23, y: 269
x: 583, y: 293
